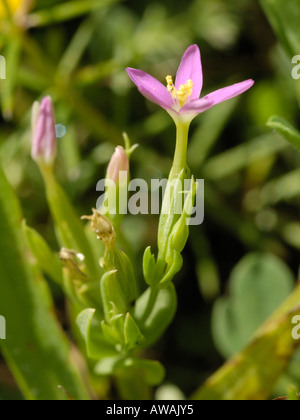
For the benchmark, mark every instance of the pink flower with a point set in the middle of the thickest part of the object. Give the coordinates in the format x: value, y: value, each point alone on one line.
x: 118, y: 166
x: 181, y: 100
x: 43, y: 132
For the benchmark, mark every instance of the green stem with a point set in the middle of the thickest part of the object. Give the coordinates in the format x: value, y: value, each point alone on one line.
x: 167, y: 221
x: 180, y: 156
x: 168, y: 218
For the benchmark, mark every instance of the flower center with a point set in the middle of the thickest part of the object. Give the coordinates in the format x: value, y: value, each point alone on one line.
x: 184, y: 91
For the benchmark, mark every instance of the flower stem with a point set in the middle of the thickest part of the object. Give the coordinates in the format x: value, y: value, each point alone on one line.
x: 179, y: 172
x: 169, y: 219
x: 179, y: 162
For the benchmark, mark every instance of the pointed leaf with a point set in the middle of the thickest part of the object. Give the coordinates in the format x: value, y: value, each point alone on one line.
x: 97, y: 346
x: 132, y: 333
x: 172, y: 269
x: 47, y: 261
x: 149, y: 265
x: 290, y: 133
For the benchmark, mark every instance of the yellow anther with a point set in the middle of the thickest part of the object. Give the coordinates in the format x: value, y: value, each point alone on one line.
x: 183, y: 93
x: 189, y: 87
x: 170, y: 84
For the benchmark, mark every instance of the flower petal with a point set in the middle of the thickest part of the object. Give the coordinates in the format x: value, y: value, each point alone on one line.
x: 151, y: 88
x: 229, y: 92
x: 196, y: 107
x: 191, y: 69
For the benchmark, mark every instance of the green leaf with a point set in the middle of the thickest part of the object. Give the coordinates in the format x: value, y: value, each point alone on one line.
x: 149, y: 265
x: 151, y: 371
x: 76, y: 48
x: 180, y: 231
x: 290, y: 133
x: 172, y: 208
x: 283, y: 188
x: 90, y: 328
x: 116, y: 260
x: 284, y: 17
x: 84, y: 321
x: 47, y: 261
x: 108, y: 365
x: 154, y: 323
x: 66, y: 11
x: 253, y: 373
x: 70, y: 229
x: 132, y: 333
x: 114, y: 302
x: 36, y: 350
x: 257, y: 286
x: 173, y: 268
x: 239, y: 157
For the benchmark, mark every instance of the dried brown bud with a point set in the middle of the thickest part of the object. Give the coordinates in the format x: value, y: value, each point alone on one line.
x: 102, y: 226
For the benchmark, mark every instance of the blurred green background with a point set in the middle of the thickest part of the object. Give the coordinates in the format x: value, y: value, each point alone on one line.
x: 77, y: 52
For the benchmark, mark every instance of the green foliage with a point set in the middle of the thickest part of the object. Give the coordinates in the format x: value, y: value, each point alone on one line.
x: 257, y: 286
x: 77, y: 52
x: 286, y: 130
x: 284, y: 18
x: 154, y: 311
x: 90, y: 329
x: 67, y: 11
x: 47, y: 261
x: 35, y: 348
x: 260, y: 364
x: 70, y: 230
x: 153, y: 372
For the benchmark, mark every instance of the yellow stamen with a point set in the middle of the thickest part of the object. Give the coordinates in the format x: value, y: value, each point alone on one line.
x: 170, y: 84
x: 183, y: 93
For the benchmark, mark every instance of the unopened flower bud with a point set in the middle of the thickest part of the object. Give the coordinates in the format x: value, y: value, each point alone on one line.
x: 118, y: 168
x: 43, y: 132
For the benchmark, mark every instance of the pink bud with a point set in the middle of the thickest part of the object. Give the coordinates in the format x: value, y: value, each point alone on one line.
x: 43, y: 131
x: 118, y: 167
